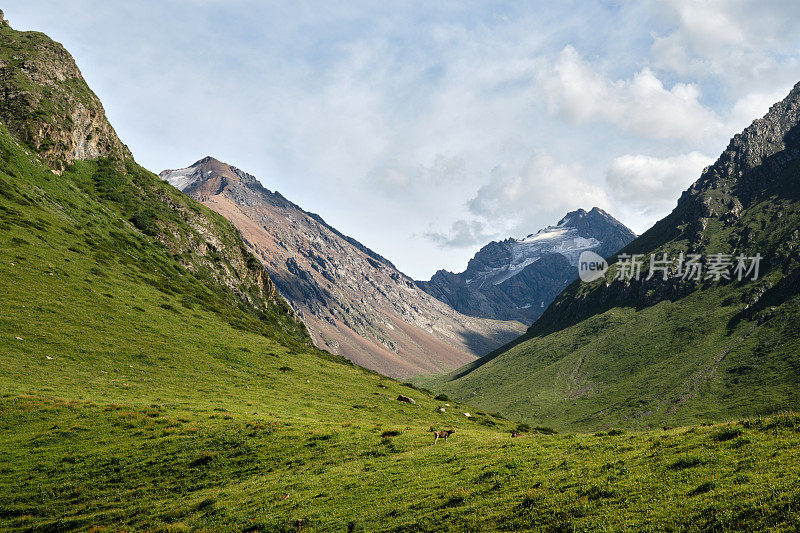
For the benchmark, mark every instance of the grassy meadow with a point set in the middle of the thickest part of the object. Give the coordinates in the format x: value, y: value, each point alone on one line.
x: 148, y: 384
x: 134, y: 396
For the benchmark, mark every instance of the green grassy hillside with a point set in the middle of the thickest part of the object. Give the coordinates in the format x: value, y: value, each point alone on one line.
x: 670, y: 363
x: 129, y: 406
x: 151, y: 380
x: 646, y: 353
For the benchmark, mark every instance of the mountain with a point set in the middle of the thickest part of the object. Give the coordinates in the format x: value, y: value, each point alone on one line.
x: 151, y: 380
x: 354, y: 301
x: 119, y: 213
x: 644, y: 352
x: 516, y: 279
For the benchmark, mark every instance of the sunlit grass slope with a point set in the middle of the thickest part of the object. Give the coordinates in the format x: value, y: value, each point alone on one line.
x: 138, y: 396
x: 150, y: 380
x: 681, y: 362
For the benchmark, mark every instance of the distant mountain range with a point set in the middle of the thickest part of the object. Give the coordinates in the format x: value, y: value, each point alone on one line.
x: 644, y: 352
x: 516, y: 279
x: 354, y: 301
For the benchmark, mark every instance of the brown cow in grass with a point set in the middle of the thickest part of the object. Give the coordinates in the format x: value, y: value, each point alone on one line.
x: 442, y: 434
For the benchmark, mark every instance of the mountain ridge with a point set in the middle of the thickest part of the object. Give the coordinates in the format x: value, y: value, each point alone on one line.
x: 354, y: 301
x: 643, y: 352
x: 252, y: 181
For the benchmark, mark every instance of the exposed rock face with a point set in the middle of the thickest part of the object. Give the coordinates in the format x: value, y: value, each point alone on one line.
x: 46, y: 104
x: 221, y: 254
x: 354, y: 302
x: 516, y: 279
x: 747, y: 168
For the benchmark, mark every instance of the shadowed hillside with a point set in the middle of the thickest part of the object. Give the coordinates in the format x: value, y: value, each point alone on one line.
x: 642, y: 352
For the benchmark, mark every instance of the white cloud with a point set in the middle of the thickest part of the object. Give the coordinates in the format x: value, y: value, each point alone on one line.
x: 743, y: 46
x: 645, y: 188
x: 529, y: 198
x: 576, y: 90
x: 520, y: 201
x: 462, y: 234
x: 709, y: 27
x: 442, y: 173
x: 391, y: 179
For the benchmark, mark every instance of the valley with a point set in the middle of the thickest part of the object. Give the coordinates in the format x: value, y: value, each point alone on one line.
x: 161, y: 361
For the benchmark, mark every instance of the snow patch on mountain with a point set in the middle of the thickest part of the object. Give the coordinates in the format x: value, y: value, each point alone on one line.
x: 180, y: 178
x: 517, y: 278
x: 560, y: 239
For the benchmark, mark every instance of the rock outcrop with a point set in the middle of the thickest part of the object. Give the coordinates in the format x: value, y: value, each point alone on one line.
x: 46, y: 104
x: 49, y: 109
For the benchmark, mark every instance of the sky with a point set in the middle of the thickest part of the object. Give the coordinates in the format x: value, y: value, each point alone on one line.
x: 427, y: 129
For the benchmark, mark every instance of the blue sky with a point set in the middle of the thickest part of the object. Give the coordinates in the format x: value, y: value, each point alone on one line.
x: 426, y: 129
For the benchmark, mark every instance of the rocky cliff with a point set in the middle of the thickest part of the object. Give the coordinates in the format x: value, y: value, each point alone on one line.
x: 47, y: 105
x: 354, y: 302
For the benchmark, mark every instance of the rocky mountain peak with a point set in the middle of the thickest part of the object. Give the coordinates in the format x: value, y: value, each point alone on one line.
x: 208, y: 176
x: 595, y: 216
x: 207, y: 161
x: 568, y: 218
x: 517, y: 278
